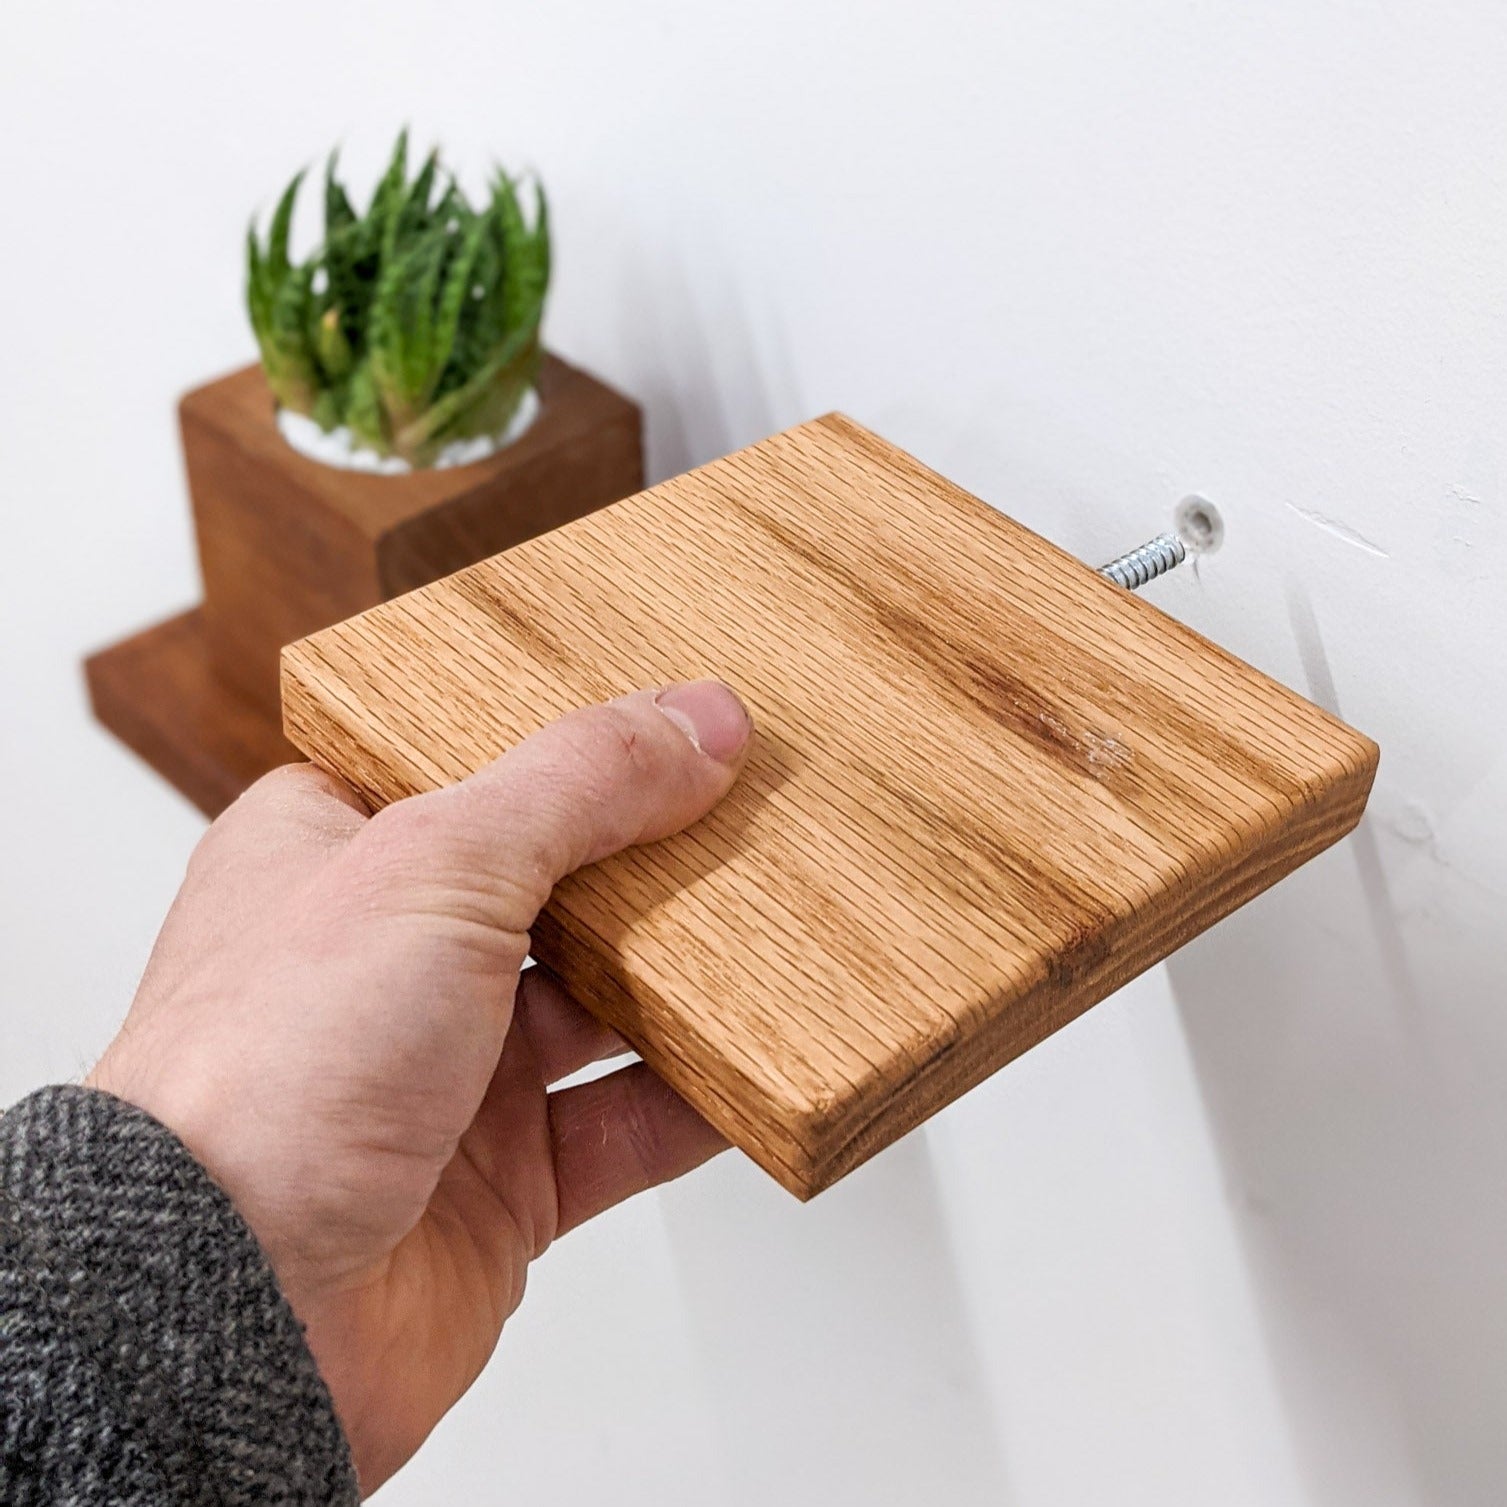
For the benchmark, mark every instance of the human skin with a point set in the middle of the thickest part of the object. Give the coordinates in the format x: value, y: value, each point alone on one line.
x: 333, y: 1022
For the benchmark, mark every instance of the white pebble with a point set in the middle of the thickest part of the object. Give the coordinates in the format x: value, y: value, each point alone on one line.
x: 338, y: 447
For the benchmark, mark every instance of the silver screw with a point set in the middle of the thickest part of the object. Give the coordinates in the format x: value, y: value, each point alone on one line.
x: 1154, y: 558
x: 1199, y: 528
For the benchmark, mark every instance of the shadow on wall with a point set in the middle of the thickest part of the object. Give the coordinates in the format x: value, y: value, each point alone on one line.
x: 704, y: 395
x: 837, y: 1335
x: 1350, y: 1047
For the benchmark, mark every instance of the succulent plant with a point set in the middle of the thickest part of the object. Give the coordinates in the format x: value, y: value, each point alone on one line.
x: 415, y: 324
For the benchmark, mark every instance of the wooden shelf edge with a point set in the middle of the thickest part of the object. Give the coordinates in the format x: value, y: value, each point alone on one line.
x: 158, y: 693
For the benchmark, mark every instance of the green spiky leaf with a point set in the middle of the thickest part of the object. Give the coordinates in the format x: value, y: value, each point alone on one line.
x: 338, y: 212
x: 414, y: 323
x: 282, y: 226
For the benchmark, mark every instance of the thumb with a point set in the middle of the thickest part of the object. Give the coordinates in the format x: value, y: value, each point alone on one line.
x: 492, y: 847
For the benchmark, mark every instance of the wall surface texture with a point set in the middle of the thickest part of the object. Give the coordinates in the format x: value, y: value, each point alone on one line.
x: 1238, y: 1236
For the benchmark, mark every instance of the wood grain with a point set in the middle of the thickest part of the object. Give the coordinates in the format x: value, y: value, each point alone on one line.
x: 987, y: 788
x: 288, y: 545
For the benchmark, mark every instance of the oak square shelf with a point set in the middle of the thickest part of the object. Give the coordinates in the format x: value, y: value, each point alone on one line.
x: 988, y: 787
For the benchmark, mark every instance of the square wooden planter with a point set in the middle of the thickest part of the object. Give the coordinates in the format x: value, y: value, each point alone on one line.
x: 288, y: 546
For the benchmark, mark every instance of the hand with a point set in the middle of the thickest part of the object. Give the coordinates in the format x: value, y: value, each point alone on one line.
x: 333, y: 1021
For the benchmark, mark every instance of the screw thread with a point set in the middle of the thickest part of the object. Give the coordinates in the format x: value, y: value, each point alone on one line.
x: 1151, y: 560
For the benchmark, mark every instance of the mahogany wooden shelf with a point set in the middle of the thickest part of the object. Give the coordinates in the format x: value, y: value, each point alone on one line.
x: 287, y: 545
x: 158, y: 692
x: 988, y: 787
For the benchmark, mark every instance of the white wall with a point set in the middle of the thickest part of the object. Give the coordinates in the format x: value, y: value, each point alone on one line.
x: 1239, y: 1236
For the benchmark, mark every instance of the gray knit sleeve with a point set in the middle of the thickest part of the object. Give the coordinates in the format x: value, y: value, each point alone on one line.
x: 147, y: 1354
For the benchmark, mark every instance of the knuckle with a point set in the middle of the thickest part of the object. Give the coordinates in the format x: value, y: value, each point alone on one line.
x: 293, y: 777
x: 289, y: 782
x: 643, y: 1126
x: 300, y: 793
x: 293, y: 798
x: 310, y: 782
x: 612, y: 741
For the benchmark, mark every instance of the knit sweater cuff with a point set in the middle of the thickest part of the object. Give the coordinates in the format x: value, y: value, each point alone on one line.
x: 146, y: 1351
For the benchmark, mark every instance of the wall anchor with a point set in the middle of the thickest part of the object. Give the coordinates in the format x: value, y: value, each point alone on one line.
x: 1198, y: 529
